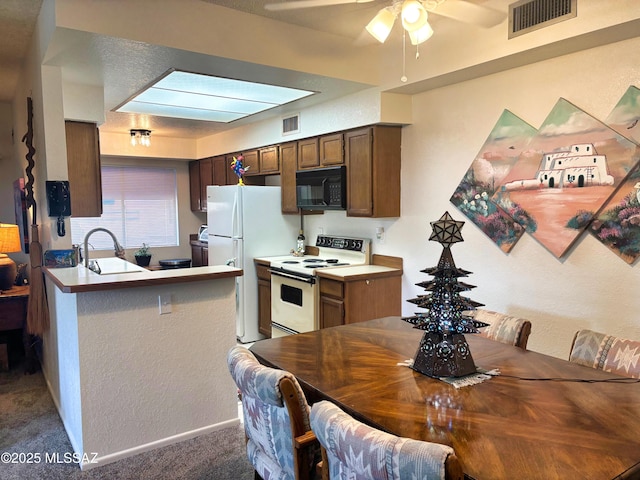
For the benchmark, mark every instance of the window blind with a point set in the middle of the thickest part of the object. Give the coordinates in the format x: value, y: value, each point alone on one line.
x: 139, y: 205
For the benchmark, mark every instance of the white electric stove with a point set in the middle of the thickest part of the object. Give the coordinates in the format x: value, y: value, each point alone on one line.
x: 294, y: 286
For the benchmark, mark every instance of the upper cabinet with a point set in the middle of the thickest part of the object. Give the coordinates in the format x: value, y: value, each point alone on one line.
x: 83, y: 164
x: 205, y: 172
x: 269, y: 160
x: 320, y: 152
x: 308, y: 156
x: 288, y: 161
x: 331, y: 150
x: 372, y: 156
x: 251, y: 162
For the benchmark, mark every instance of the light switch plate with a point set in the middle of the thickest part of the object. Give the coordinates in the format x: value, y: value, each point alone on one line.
x: 164, y: 303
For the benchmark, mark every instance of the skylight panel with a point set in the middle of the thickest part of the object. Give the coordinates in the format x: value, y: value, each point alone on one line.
x: 204, y: 97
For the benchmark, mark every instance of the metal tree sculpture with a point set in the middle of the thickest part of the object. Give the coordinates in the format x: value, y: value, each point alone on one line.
x: 443, y: 350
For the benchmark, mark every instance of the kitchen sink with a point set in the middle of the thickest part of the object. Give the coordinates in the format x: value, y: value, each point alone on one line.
x: 114, y: 266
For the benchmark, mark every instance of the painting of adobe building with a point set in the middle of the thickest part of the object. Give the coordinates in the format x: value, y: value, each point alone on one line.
x: 566, y: 174
x: 618, y: 224
x: 474, y: 194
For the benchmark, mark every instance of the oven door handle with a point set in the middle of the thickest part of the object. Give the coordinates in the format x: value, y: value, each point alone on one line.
x: 279, y: 273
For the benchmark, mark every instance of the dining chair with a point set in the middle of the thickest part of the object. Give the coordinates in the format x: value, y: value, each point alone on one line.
x: 606, y: 352
x: 280, y: 444
x: 503, y: 328
x: 355, y: 451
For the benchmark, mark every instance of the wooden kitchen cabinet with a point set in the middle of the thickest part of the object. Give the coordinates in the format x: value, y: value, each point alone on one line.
x: 199, y: 254
x: 208, y: 171
x: 372, y: 156
x: 251, y: 162
x: 308, y: 153
x: 194, y: 185
x: 288, y: 165
x: 269, y: 160
x: 321, y: 152
x: 219, y: 174
x: 83, y: 164
x: 206, y: 179
x: 358, y: 298
x: 331, y: 150
x: 264, y: 298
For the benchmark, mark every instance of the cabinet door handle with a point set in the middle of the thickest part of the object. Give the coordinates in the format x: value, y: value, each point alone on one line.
x: 368, y: 282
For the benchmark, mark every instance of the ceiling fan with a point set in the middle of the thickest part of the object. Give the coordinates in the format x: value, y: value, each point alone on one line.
x: 461, y: 10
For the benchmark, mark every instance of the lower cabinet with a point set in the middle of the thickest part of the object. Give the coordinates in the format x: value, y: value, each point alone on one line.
x: 264, y: 298
x: 359, y: 298
x: 199, y: 254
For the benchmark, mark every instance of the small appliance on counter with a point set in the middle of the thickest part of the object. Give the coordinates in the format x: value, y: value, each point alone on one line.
x: 203, y: 234
x: 175, y: 263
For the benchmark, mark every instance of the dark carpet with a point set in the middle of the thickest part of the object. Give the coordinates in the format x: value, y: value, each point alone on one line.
x: 31, y: 430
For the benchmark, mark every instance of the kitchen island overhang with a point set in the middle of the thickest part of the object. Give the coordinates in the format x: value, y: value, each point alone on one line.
x: 126, y: 377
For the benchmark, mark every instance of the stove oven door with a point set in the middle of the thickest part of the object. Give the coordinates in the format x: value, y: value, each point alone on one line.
x: 294, y: 304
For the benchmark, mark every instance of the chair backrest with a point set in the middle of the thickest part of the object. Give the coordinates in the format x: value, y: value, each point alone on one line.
x: 356, y: 451
x: 606, y: 352
x: 275, y: 414
x: 504, y: 328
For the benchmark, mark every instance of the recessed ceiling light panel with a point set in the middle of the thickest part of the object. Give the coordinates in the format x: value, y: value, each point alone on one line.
x: 203, y: 97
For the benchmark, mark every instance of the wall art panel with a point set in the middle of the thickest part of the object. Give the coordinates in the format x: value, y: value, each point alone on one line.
x: 618, y: 224
x: 474, y: 196
x: 566, y: 174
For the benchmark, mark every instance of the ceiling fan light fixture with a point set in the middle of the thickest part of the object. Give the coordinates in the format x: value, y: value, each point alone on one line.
x: 381, y: 25
x: 414, y: 15
x: 421, y: 35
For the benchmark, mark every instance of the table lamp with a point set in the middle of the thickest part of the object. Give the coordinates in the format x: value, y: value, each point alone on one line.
x: 9, y: 242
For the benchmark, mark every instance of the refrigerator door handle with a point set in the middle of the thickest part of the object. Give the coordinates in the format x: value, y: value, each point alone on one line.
x: 234, y: 216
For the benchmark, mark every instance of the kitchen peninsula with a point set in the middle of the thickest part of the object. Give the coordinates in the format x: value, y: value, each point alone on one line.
x: 137, y: 360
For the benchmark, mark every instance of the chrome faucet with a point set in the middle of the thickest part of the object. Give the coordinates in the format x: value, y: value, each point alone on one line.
x: 119, y: 251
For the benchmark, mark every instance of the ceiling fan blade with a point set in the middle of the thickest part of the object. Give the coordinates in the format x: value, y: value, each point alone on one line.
x: 309, y: 4
x: 471, y: 13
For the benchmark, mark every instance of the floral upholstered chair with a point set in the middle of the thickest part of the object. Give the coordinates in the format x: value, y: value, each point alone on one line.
x: 352, y: 450
x: 503, y: 328
x: 280, y: 444
x: 606, y: 352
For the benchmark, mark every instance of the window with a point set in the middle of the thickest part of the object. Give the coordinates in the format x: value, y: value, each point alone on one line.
x: 139, y: 205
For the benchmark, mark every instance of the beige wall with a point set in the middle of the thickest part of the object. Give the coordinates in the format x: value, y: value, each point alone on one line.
x: 591, y: 287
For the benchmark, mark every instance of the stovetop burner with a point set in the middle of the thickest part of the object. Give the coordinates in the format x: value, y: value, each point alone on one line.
x: 332, y: 252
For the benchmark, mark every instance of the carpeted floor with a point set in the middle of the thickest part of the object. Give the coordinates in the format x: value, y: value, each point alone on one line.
x: 30, y: 429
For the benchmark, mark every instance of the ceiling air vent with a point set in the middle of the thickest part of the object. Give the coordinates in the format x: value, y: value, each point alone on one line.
x: 291, y: 124
x: 528, y: 15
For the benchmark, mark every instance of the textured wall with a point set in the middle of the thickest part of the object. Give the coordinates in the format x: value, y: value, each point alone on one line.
x: 146, y: 379
x: 591, y: 287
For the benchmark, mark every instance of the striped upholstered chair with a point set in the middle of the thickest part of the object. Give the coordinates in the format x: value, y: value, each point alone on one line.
x: 352, y: 450
x: 280, y: 444
x: 606, y: 352
x: 503, y: 328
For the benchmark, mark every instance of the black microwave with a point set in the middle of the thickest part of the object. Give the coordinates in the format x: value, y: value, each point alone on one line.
x: 322, y: 188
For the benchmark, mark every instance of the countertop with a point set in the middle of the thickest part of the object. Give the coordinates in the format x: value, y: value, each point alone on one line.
x: 80, y: 279
x: 357, y: 272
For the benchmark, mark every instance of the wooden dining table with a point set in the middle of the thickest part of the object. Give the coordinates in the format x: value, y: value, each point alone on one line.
x: 541, y: 418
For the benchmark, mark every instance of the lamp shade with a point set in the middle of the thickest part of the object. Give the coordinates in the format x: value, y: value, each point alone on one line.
x: 414, y: 16
x: 381, y: 25
x: 9, y: 242
x: 9, y: 238
x: 421, y: 35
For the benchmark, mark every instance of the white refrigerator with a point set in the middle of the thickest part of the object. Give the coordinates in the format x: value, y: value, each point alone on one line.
x: 245, y: 222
